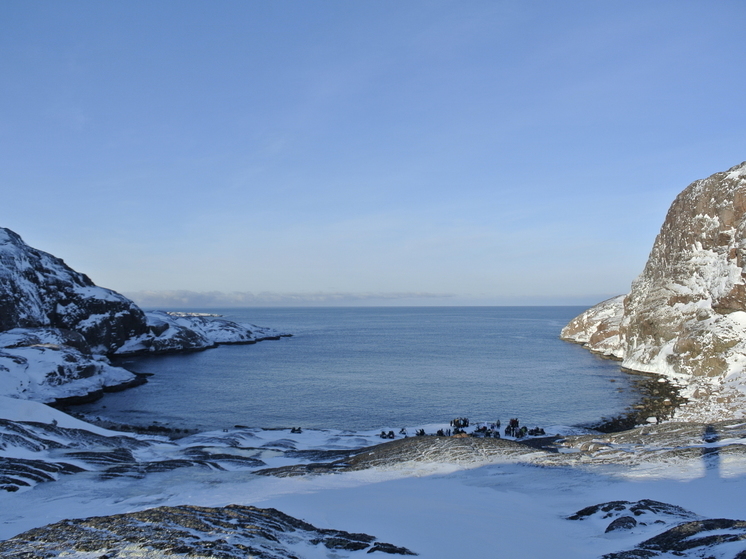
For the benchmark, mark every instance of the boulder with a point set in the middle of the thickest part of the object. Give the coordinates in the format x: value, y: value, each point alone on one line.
x: 621, y: 523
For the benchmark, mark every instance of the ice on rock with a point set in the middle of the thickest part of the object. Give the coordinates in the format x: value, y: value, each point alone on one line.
x: 685, y: 316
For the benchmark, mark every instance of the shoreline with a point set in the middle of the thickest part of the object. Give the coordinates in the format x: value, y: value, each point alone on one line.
x: 658, y: 398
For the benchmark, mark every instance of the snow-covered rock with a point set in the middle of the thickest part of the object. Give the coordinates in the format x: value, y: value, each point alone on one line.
x: 685, y: 316
x: 48, y: 365
x: 598, y: 328
x: 175, y: 331
x: 38, y: 290
x: 57, y: 327
x: 197, y: 532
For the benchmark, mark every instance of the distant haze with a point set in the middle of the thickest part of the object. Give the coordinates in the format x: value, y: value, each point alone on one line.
x: 366, y: 152
x: 217, y: 299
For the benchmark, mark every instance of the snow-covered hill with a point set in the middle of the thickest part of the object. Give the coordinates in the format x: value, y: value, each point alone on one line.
x: 685, y: 316
x: 38, y: 289
x: 57, y: 329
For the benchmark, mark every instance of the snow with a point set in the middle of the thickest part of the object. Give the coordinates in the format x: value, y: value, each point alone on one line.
x: 26, y: 410
x: 37, y: 365
x: 509, y: 506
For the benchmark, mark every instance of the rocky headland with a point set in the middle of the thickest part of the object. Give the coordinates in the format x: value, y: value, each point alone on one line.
x: 685, y: 315
x: 58, y: 329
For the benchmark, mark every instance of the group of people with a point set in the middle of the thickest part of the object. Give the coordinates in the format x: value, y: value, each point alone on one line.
x: 487, y: 430
x: 514, y: 429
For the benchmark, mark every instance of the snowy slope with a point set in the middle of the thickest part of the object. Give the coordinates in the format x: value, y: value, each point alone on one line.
x: 660, y: 491
x: 48, y: 364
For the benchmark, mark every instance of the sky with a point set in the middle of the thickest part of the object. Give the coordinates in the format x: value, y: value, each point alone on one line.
x: 368, y: 152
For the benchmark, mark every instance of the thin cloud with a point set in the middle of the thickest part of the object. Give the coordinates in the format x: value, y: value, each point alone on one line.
x: 194, y: 299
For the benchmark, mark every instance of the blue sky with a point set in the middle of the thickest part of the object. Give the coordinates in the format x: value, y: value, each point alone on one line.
x: 479, y: 152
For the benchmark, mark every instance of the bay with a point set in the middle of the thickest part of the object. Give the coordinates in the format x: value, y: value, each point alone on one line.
x: 379, y: 367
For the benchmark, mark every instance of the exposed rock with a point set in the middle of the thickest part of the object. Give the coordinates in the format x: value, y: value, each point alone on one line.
x: 57, y: 327
x: 700, y: 538
x: 49, y: 365
x: 685, y: 315
x: 471, y: 450
x: 229, y: 532
x: 59, y: 450
x: 38, y: 290
x: 685, y: 534
x: 621, y: 523
x: 173, y: 332
x: 657, y: 401
x: 598, y: 328
x: 668, y: 443
x: 646, y: 511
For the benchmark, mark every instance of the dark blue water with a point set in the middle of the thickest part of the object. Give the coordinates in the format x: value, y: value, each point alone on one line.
x: 362, y: 368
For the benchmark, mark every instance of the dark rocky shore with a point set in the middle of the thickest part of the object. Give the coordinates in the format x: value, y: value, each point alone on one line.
x: 659, y: 398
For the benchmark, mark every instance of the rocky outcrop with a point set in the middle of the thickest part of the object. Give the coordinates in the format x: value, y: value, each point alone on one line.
x: 57, y: 327
x: 686, y: 534
x: 714, y: 537
x: 227, y: 532
x: 40, y: 290
x: 50, y: 365
x: 685, y: 316
x: 598, y: 328
x: 170, y: 332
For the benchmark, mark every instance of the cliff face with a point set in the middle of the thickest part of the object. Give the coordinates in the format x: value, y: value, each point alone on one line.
x: 40, y: 290
x: 685, y: 315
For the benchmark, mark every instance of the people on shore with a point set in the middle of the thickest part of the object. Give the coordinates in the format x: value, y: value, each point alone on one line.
x: 486, y: 430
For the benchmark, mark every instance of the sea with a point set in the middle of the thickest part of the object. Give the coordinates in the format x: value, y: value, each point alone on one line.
x: 362, y: 368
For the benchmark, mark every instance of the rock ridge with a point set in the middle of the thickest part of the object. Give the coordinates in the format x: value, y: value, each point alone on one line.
x: 233, y: 531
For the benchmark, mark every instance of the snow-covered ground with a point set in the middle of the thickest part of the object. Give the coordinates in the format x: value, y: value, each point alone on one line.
x: 439, y: 497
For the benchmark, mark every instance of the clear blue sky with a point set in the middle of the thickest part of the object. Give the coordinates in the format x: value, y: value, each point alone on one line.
x: 497, y: 152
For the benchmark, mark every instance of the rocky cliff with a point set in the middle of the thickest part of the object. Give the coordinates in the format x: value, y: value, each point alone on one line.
x: 38, y: 289
x: 685, y: 316
x: 57, y: 328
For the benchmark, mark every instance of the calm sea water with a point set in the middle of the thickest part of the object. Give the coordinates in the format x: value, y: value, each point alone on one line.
x: 364, y: 368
